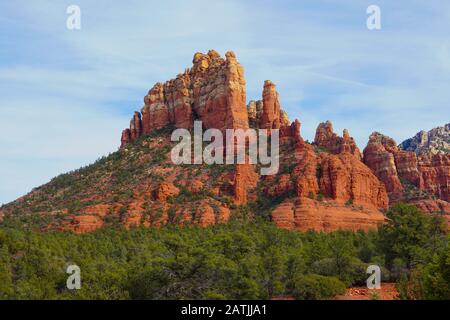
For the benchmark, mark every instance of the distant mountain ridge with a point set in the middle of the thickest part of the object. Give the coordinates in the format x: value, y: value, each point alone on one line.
x: 435, y: 141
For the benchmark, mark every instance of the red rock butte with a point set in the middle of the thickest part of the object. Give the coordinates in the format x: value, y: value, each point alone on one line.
x: 212, y: 91
x: 352, y: 189
x: 324, y: 186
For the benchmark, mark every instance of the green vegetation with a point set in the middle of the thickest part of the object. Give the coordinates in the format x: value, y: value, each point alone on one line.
x: 110, y: 179
x: 238, y: 260
x: 417, y: 252
x: 317, y: 287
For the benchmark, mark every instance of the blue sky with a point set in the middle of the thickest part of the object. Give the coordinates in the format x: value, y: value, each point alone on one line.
x: 66, y: 95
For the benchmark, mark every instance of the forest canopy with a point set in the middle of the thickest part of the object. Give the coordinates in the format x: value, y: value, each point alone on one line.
x: 238, y: 260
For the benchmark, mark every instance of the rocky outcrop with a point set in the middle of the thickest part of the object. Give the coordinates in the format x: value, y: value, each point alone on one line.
x: 435, y: 141
x: 135, y: 130
x: 406, y: 164
x: 135, y: 126
x: 433, y: 206
x: 326, y: 138
x: 308, y: 214
x: 284, y: 118
x: 166, y: 190
x: 245, y: 179
x: 435, y: 174
x: 340, y: 177
x: 284, y: 216
x: 254, y: 110
x: 270, y: 116
x: 291, y: 133
x: 267, y: 113
x: 337, y: 177
x: 379, y: 158
x: 126, y: 138
x: 332, y: 191
x: 347, y: 180
x: 405, y: 174
x: 212, y: 91
x: 79, y: 224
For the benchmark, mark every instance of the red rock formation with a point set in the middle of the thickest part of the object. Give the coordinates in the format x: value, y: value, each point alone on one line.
x: 327, y: 139
x: 283, y: 216
x: 254, y: 110
x: 205, y: 215
x: 279, y: 185
x: 305, y: 174
x: 100, y: 210
x: 291, y: 131
x: 155, y: 112
x: 346, y: 179
x: 349, y: 194
x: 82, y: 224
x: 270, y: 117
x: 430, y: 173
x: 284, y: 118
x: 166, y: 190
x: 126, y: 138
x: 433, y: 206
x: 407, y: 167
x: 245, y: 179
x: 325, y: 185
x: 212, y: 91
x: 435, y: 174
x: 136, y: 126
x: 308, y: 214
x: 382, y: 162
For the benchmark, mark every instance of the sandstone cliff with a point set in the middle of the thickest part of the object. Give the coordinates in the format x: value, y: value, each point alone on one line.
x: 332, y: 188
x: 212, y: 91
x: 330, y: 141
x: 420, y: 179
x: 326, y: 185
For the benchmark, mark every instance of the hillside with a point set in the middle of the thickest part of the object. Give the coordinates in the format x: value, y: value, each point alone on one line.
x: 324, y: 186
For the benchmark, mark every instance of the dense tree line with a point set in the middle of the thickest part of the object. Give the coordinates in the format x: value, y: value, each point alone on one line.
x: 238, y: 260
